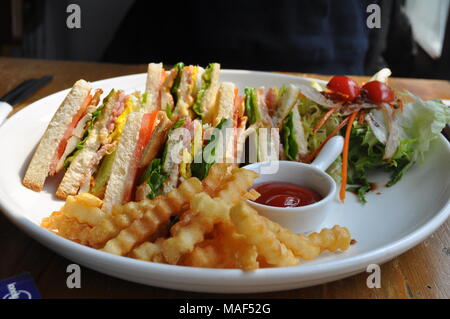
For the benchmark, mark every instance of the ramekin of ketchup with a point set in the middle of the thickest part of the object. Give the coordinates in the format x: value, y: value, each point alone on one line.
x: 283, y: 194
x: 296, y: 195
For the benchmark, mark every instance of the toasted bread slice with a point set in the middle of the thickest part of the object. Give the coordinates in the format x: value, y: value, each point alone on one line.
x: 209, y: 98
x: 225, y: 102
x: 153, y: 86
x: 82, y: 166
x: 125, y: 163
x: 39, y: 167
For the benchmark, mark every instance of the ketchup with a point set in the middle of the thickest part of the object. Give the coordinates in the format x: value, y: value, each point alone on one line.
x: 282, y: 194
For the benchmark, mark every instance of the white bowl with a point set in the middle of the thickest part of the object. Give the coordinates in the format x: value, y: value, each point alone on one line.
x: 303, y: 218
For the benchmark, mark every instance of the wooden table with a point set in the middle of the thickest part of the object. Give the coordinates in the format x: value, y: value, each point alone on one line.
x: 422, y: 272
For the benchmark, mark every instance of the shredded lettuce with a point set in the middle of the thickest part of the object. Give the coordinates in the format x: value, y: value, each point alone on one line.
x: 311, y: 113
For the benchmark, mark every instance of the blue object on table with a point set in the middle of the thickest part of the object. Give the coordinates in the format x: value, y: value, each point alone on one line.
x: 19, y: 287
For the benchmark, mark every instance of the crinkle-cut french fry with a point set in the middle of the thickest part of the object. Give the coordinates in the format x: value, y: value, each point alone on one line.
x: 233, y: 185
x: 208, y: 256
x: 248, y: 223
x: 120, y: 218
x: 237, y: 252
x: 332, y: 239
x: 149, y: 251
x: 207, y: 212
x: 217, y: 176
x: 67, y: 227
x: 252, y: 194
x: 241, y: 179
x: 300, y: 244
x: 85, y: 207
x: 142, y: 228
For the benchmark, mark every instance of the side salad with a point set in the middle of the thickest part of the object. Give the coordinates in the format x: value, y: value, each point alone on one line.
x: 381, y: 131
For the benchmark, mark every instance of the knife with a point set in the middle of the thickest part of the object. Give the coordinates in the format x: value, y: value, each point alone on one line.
x: 19, y: 94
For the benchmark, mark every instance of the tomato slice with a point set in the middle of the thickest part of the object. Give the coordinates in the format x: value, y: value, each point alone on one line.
x: 344, y: 86
x: 379, y: 92
x: 145, y: 134
x: 68, y: 133
x: 146, y: 131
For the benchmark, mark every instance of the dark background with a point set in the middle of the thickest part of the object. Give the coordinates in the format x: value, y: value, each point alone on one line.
x: 319, y: 36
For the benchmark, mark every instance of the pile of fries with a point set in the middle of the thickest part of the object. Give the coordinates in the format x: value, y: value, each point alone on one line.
x: 201, y: 223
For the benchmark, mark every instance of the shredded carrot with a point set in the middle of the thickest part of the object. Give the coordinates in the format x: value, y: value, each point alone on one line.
x: 361, y: 118
x: 400, y: 104
x: 345, y: 155
x: 324, y: 119
x: 311, y: 156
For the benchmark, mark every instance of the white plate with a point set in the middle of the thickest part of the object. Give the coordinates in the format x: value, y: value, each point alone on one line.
x: 391, y: 223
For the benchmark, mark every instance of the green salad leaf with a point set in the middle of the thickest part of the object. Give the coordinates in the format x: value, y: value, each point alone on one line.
x: 366, y: 153
x: 419, y: 124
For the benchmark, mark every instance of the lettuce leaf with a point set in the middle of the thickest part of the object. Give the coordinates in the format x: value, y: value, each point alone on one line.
x: 169, y: 111
x: 206, y: 83
x: 250, y: 106
x: 419, y: 124
x: 154, y: 176
x: 422, y: 121
x: 176, y: 83
x: 205, y: 158
x: 289, y: 143
x: 366, y: 153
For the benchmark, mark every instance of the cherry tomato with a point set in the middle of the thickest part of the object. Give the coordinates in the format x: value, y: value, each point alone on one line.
x: 345, y: 86
x: 378, y: 92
